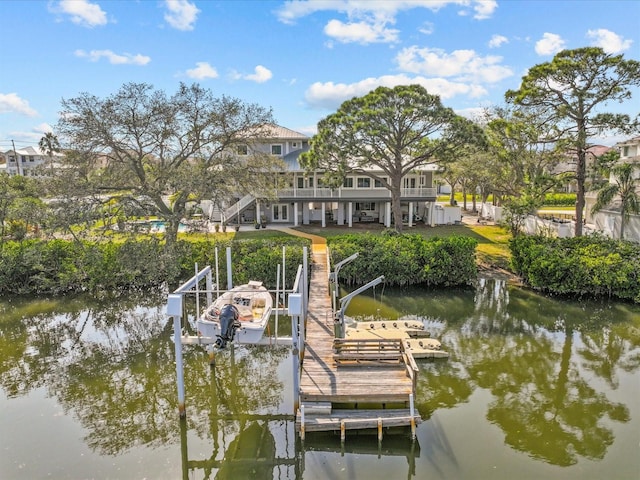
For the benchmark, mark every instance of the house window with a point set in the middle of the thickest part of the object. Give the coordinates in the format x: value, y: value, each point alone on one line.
x: 625, y: 151
x: 294, y: 144
x: 243, y: 150
x: 348, y: 182
x: 410, y: 182
x: 276, y: 150
x: 365, y: 206
x: 31, y: 158
x: 364, y: 182
x: 377, y: 184
x: 300, y: 182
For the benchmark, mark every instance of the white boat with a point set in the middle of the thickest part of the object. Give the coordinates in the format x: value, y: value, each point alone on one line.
x: 240, y: 314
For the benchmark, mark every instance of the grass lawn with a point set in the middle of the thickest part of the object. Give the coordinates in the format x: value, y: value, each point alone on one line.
x: 492, y: 250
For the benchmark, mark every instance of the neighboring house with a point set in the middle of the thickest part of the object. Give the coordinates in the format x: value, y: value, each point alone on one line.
x: 27, y: 161
x: 608, y: 220
x: 302, y: 198
x: 570, y: 164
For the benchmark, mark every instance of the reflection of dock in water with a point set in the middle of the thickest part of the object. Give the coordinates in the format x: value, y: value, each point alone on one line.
x: 252, y: 453
x: 393, y: 446
x: 269, y: 448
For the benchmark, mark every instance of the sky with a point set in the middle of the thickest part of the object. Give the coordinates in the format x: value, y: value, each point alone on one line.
x: 300, y: 58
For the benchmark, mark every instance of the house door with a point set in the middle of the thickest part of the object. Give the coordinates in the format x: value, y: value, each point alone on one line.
x: 280, y: 212
x: 410, y: 182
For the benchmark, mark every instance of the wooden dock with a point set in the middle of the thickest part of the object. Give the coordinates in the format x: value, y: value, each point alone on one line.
x: 338, y: 375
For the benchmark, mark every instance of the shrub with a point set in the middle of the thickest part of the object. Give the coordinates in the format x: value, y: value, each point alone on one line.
x: 581, y: 266
x: 406, y: 259
x: 61, y: 266
x: 560, y: 199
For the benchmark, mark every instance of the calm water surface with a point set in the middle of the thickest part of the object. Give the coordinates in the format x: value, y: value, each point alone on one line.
x: 534, y: 388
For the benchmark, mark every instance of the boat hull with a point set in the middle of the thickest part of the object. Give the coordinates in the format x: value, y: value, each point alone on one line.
x: 254, y: 304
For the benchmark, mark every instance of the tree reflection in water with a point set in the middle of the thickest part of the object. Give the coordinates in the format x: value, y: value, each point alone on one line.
x: 522, y: 348
x: 110, y: 364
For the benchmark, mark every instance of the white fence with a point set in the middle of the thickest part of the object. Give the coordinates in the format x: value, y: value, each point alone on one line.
x: 606, y: 223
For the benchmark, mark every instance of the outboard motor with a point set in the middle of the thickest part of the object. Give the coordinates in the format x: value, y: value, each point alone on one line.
x: 229, y: 323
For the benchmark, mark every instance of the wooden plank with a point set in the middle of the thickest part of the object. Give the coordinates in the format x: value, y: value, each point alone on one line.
x: 358, y: 419
x: 371, y: 371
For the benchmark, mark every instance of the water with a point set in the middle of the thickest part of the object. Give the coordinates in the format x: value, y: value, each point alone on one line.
x: 534, y: 385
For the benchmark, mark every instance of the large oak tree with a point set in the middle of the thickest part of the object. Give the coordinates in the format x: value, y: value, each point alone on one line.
x: 392, y: 130
x: 140, y: 146
x: 569, y: 91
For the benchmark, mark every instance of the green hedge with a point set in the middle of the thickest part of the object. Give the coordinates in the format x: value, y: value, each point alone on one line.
x: 406, y: 259
x: 560, y: 200
x: 60, y: 266
x: 581, y: 266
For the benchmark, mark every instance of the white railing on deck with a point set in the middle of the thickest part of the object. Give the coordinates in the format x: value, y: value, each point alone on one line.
x: 347, y: 193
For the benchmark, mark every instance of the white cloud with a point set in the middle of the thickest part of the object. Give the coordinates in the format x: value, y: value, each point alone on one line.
x: 607, y: 40
x: 497, y: 41
x: 330, y: 95
x: 427, y: 28
x: 181, y: 14
x: 202, y: 71
x: 368, y: 21
x: 484, y: 9
x: 293, y: 9
x: 360, y: 32
x: 261, y: 74
x: 464, y: 65
x: 477, y: 114
x: 12, y: 103
x: 83, y: 12
x: 549, y: 44
x: 114, y: 58
x: 34, y: 135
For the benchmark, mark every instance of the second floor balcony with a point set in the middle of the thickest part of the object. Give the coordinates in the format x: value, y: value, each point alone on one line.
x: 353, y: 194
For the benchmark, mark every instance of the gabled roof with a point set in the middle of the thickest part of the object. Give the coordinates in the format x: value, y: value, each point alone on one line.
x: 31, y: 151
x: 291, y: 161
x: 631, y: 141
x: 276, y: 131
x: 598, y: 150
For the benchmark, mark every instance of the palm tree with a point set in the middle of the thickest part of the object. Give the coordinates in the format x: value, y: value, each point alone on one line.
x: 624, y: 187
x: 49, y: 144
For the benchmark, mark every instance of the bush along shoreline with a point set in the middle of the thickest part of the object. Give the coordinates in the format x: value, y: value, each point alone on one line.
x: 38, y: 267
x: 589, y: 266
x: 406, y: 260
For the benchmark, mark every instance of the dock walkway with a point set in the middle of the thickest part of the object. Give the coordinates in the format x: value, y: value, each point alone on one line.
x: 331, y: 391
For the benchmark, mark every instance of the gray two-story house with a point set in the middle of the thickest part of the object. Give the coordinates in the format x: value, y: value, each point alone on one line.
x: 303, y: 199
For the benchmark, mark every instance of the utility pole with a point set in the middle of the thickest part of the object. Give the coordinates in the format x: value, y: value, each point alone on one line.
x: 15, y: 154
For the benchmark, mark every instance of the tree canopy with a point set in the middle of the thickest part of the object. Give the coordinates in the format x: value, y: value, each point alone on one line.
x: 392, y: 130
x: 568, y: 92
x: 17, y: 195
x: 142, y: 147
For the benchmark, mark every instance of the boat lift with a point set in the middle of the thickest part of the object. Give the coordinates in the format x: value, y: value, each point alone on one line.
x: 296, y: 309
x: 344, y: 303
x: 333, y: 278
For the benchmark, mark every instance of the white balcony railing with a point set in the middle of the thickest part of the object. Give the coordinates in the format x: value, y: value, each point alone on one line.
x: 349, y: 193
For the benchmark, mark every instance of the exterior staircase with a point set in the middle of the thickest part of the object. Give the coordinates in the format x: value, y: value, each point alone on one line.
x: 230, y: 213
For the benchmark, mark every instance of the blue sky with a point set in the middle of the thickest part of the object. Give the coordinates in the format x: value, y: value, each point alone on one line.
x: 301, y: 58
